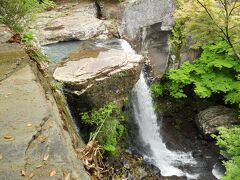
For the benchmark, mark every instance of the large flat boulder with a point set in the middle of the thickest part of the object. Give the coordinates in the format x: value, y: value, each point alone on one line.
x: 69, y: 21
x: 209, y: 120
x: 101, y: 74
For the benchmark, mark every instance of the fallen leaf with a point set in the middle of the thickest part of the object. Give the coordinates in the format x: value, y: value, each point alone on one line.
x: 29, y: 125
x: 42, y: 139
x: 65, y: 173
x: 38, y: 166
x: 31, y: 175
x: 52, y: 173
x: 1, y: 156
x: 45, y: 158
x: 8, y: 137
x: 23, y: 173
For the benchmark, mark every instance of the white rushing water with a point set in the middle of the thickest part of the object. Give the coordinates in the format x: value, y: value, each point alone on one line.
x: 218, y: 171
x: 149, y: 131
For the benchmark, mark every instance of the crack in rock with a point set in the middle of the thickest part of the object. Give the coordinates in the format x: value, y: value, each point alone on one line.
x: 34, y: 137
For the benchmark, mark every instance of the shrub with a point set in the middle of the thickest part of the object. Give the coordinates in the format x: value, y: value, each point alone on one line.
x: 17, y: 14
x: 215, y: 72
x: 108, y: 126
x: 229, y: 141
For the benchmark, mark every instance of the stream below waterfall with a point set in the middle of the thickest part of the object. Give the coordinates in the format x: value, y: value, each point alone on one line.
x: 151, y: 144
x: 153, y: 131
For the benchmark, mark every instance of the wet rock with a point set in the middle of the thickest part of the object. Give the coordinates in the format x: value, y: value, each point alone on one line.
x: 5, y: 33
x: 197, y: 154
x: 12, y: 57
x: 70, y: 21
x: 156, y: 12
x: 209, y: 120
x: 99, y: 75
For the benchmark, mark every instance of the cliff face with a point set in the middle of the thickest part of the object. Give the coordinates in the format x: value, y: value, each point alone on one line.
x: 138, y: 14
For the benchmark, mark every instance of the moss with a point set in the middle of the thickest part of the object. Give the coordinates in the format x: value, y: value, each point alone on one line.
x: 12, y: 57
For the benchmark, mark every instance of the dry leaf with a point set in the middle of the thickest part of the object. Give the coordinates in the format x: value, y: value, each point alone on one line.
x: 31, y: 175
x: 65, y: 173
x: 1, y: 156
x: 8, y: 137
x: 52, y: 173
x: 45, y: 158
x: 29, y: 125
x: 23, y: 173
x: 38, y: 166
x: 42, y: 139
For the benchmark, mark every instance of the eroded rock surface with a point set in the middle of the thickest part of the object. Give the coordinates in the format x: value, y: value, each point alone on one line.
x: 33, y: 142
x: 70, y: 21
x: 141, y: 13
x: 5, y: 33
x: 100, y: 74
x: 209, y: 120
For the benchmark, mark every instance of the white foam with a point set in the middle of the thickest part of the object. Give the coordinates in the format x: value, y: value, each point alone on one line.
x: 126, y: 46
x: 217, y: 171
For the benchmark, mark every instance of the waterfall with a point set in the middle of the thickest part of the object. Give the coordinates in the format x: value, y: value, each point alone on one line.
x: 150, y: 133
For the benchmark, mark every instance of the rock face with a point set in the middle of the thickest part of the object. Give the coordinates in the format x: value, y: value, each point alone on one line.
x: 71, y: 21
x: 147, y: 25
x: 209, y: 120
x: 33, y: 141
x: 5, y: 33
x: 141, y: 13
x: 100, y: 75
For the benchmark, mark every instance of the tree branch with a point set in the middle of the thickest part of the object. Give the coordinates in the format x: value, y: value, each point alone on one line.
x: 234, y: 6
x: 209, y: 14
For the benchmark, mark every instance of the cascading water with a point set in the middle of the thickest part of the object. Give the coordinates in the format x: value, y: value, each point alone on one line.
x: 169, y: 162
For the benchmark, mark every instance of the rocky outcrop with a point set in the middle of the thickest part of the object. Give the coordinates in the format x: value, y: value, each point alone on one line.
x: 209, y: 120
x: 141, y: 13
x: 5, y: 33
x: 70, y: 21
x: 34, y: 141
x: 100, y: 75
x: 147, y: 25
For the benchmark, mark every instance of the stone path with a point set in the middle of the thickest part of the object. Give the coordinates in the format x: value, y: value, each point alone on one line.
x: 33, y: 143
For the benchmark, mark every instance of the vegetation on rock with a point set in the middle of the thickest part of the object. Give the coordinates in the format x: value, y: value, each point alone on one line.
x: 108, y: 126
x: 17, y: 14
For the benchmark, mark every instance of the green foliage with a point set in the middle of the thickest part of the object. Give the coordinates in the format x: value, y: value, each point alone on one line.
x: 157, y: 89
x: 215, y: 72
x: 27, y: 37
x: 229, y: 141
x: 17, y: 14
x: 48, y: 4
x: 208, y: 21
x: 108, y: 122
